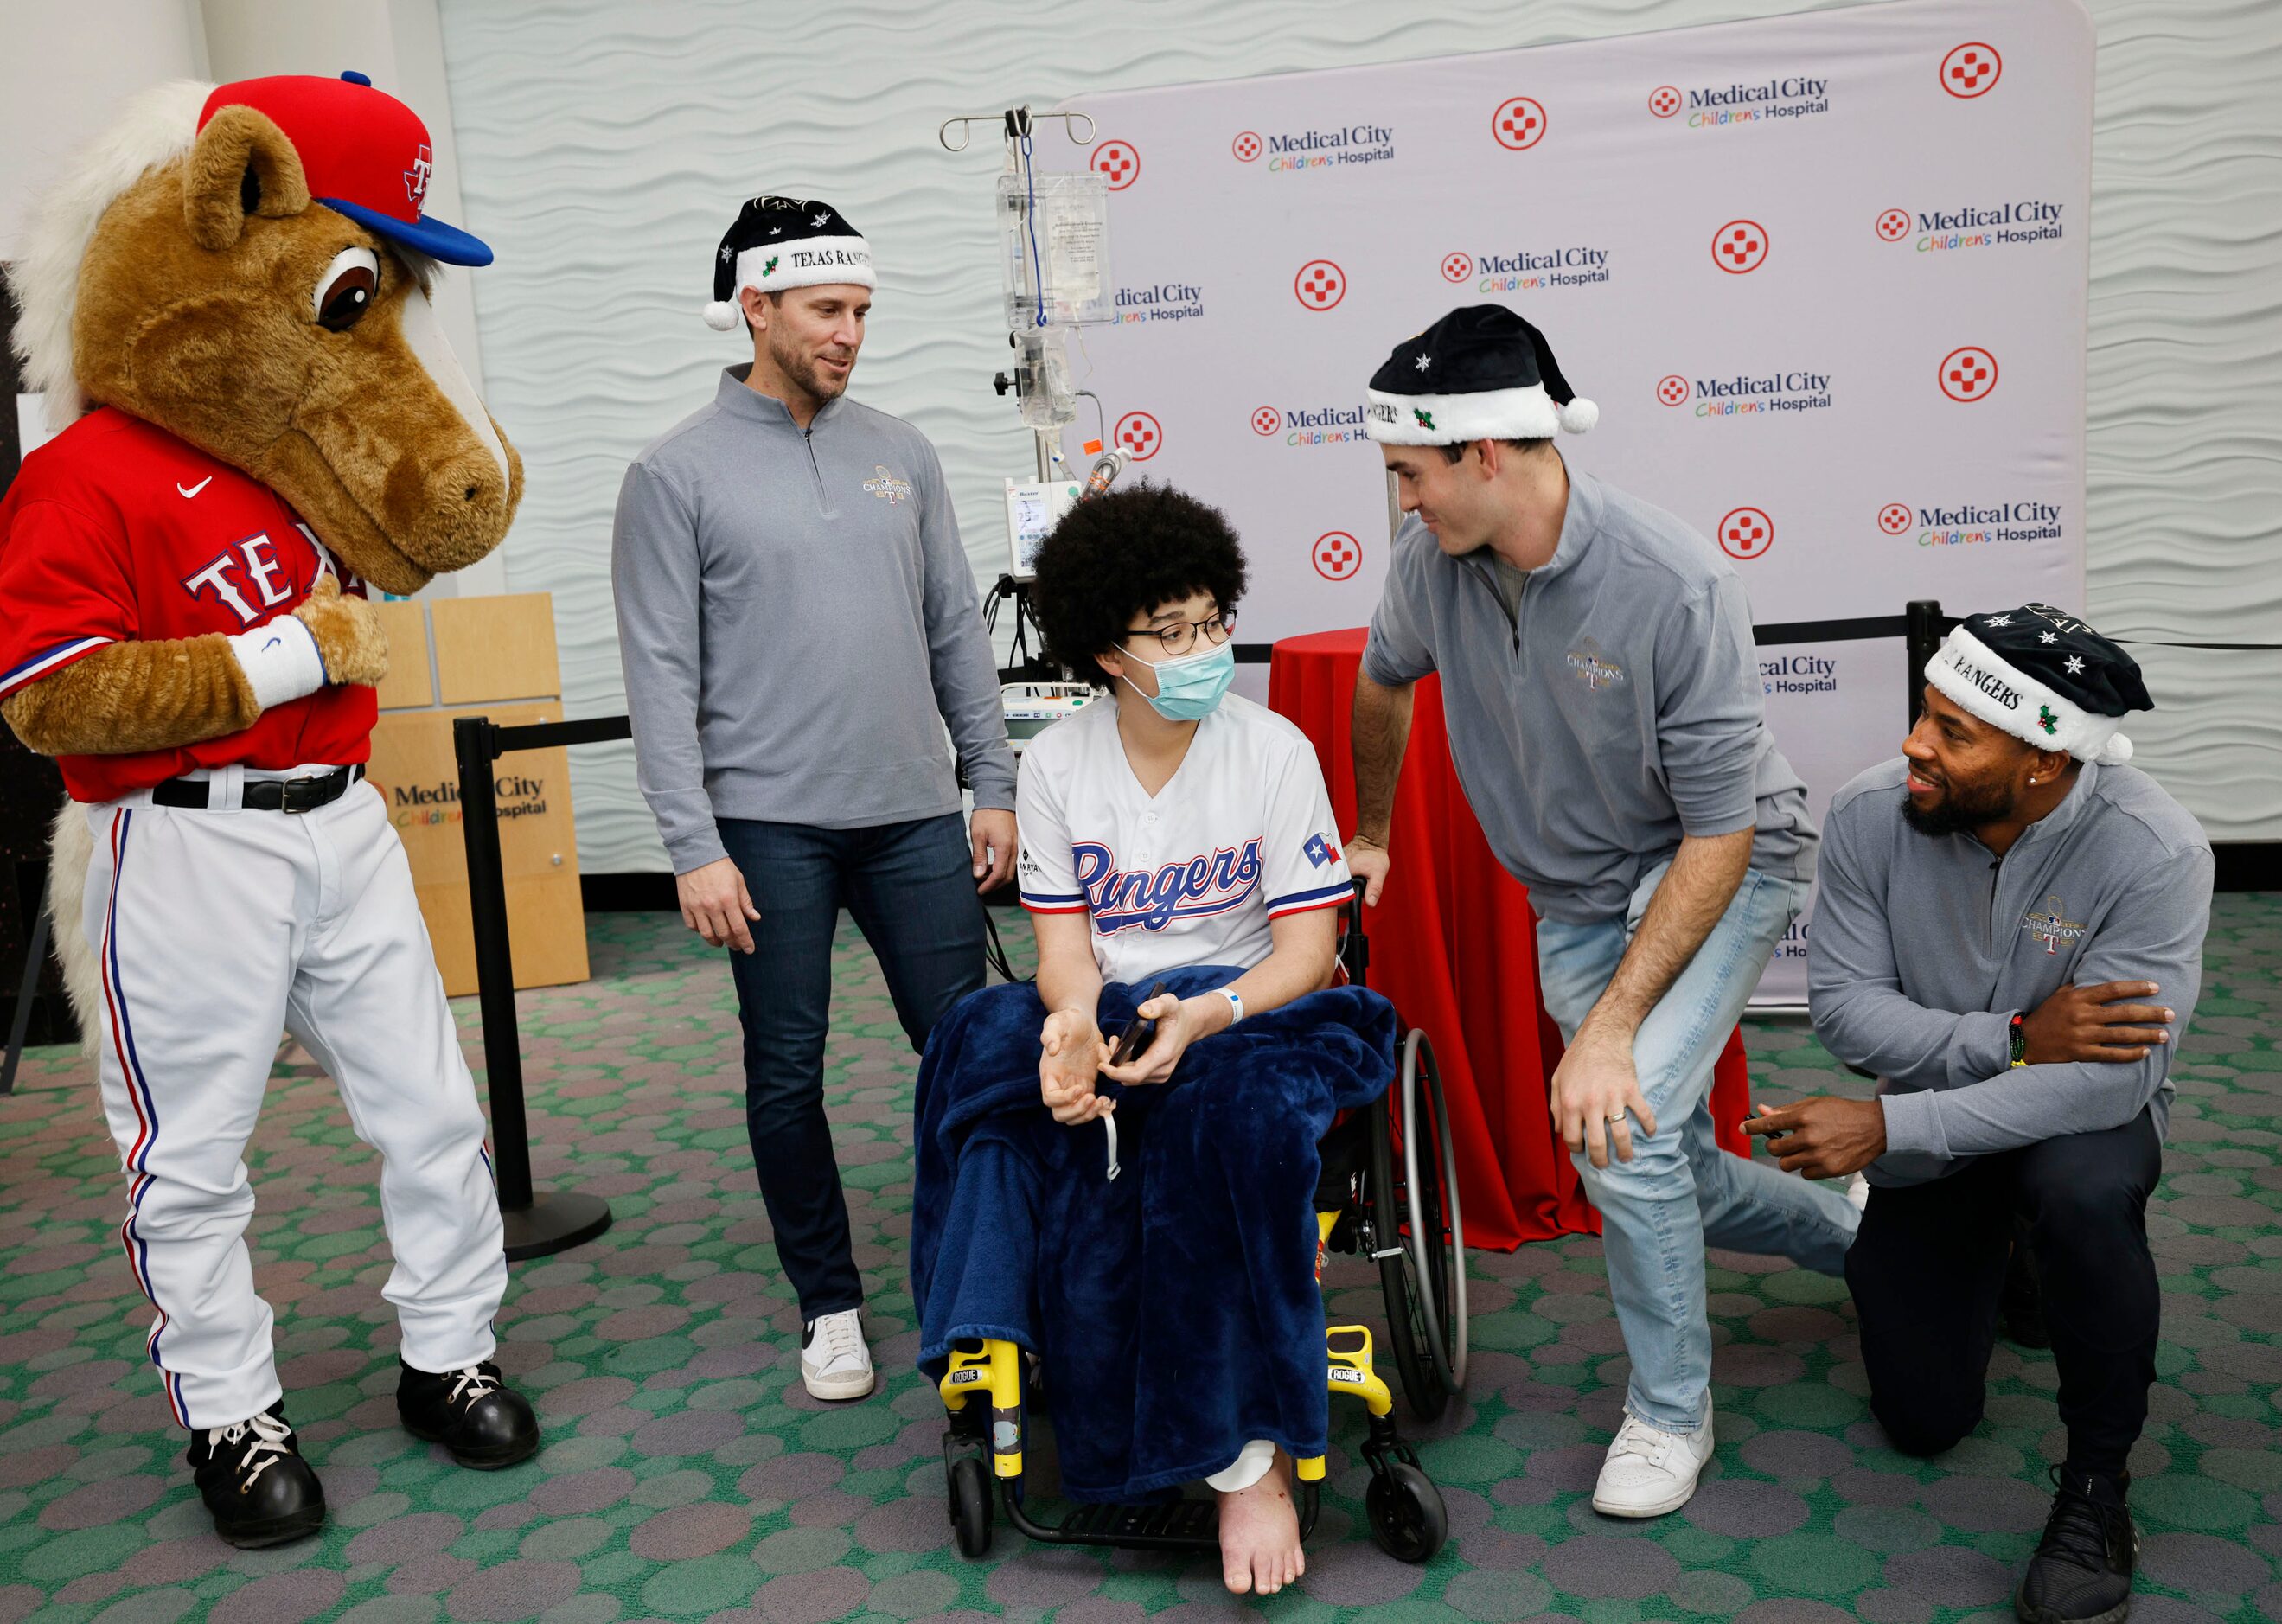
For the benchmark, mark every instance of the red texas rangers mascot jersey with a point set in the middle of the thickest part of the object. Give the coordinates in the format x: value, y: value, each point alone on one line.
x: 116, y: 530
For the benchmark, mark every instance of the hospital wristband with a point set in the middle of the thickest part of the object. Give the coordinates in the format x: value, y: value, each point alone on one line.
x: 1235, y: 1003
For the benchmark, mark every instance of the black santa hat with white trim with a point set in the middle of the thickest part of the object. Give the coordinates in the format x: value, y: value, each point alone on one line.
x: 2045, y: 677
x: 778, y: 243
x: 1479, y: 373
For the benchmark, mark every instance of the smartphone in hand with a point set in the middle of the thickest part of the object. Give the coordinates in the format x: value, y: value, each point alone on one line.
x: 1138, y: 1035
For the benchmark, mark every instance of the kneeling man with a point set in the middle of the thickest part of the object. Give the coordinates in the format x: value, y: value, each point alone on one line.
x: 2010, y: 935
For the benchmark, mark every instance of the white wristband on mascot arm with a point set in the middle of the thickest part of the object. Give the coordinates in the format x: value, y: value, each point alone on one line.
x: 280, y: 661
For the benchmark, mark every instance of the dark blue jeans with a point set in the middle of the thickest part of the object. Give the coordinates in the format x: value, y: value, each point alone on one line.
x: 911, y: 888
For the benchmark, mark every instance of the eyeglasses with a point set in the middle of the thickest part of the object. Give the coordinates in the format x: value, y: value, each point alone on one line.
x: 1181, y: 636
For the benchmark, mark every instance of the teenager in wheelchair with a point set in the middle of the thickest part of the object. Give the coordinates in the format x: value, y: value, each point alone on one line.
x: 1129, y: 1171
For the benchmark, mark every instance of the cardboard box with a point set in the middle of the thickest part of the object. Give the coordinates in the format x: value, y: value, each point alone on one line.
x: 483, y: 647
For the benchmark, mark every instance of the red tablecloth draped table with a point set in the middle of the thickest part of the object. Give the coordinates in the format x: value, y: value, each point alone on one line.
x: 1455, y: 946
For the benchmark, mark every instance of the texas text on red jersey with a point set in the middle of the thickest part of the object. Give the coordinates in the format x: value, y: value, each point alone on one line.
x: 117, y: 531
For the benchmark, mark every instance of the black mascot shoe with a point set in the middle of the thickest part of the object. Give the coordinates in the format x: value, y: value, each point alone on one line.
x: 2081, y: 1571
x: 255, y: 1483
x: 484, y: 1424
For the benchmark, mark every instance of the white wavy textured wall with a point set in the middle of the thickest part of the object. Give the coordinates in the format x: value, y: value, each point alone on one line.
x: 604, y: 147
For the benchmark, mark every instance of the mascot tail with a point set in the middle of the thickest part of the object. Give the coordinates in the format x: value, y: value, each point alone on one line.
x: 70, y: 848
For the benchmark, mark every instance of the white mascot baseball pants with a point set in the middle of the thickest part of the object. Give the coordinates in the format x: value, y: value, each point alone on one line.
x: 217, y: 929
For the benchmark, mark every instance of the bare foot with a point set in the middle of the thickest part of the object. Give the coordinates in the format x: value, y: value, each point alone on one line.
x: 1260, y: 1534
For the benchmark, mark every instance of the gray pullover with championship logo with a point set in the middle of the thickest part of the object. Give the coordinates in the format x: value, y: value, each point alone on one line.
x: 1923, y: 947
x: 798, y: 623
x: 1616, y: 707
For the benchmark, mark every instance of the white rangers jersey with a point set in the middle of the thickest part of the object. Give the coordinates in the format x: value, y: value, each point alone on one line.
x: 1241, y: 833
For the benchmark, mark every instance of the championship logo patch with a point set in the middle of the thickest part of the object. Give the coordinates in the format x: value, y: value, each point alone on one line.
x: 887, y: 487
x: 1590, y: 664
x: 2052, y: 927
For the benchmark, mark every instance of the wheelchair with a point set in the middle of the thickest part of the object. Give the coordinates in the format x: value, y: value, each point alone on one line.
x: 1388, y: 1194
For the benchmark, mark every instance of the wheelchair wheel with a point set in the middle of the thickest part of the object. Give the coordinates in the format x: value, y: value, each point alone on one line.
x: 1407, y: 1516
x: 1419, y: 1236
x: 1438, y: 1231
x: 968, y: 1485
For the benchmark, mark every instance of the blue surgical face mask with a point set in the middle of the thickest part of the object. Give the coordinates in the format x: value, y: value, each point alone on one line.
x: 1190, y: 688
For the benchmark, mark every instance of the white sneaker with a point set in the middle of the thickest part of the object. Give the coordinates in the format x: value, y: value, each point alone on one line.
x: 834, y: 1360
x: 1649, y: 1471
x: 1858, y: 1192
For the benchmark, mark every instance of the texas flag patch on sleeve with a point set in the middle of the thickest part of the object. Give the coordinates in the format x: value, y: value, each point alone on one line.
x: 1319, y: 851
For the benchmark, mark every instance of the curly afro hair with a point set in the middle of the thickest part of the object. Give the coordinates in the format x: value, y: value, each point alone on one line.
x: 1115, y: 557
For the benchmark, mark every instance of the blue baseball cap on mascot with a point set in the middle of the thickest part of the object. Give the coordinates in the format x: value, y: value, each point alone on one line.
x: 363, y: 153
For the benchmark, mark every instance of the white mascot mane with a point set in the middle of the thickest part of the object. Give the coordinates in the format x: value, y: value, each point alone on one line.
x: 152, y: 127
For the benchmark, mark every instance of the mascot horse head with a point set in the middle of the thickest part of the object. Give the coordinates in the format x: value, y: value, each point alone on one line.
x: 248, y: 267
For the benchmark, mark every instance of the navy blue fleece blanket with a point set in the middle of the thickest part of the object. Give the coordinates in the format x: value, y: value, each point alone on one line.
x: 1175, y: 1306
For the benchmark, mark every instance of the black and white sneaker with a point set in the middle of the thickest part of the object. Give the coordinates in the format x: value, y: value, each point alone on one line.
x: 2081, y: 1571
x: 254, y: 1482
x: 471, y: 1412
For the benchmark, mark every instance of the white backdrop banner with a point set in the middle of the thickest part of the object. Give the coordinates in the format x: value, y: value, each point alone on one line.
x: 1825, y: 276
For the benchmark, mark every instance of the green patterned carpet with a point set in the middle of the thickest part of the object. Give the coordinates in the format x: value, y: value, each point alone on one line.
x: 687, y: 1476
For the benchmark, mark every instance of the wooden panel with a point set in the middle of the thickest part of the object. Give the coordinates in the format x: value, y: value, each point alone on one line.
x: 497, y: 647
x: 408, y: 681
x: 414, y: 767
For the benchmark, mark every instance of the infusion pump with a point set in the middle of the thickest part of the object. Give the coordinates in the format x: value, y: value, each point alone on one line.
x: 1032, y: 512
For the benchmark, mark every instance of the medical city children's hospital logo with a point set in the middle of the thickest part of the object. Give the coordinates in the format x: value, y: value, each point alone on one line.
x: 1150, y: 899
x: 2002, y: 222
x: 1740, y: 103
x: 2051, y: 925
x: 1315, y: 150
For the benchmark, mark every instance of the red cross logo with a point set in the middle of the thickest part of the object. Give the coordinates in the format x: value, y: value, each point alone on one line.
x: 1336, y: 555
x: 1894, y: 224
x: 1894, y: 517
x: 1138, y: 433
x: 1457, y: 267
x: 1664, y: 101
x: 1120, y: 160
x: 1320, y: 285
x: 1266, y: 420
x: 1245, y: 146
x: 1968, y: 374
x: 1746, y: 533
x: 1671, y: 389
x: 416, y: 178
x: 1739, y: 246
x: 1971, y: 70
x: 1518, y: 124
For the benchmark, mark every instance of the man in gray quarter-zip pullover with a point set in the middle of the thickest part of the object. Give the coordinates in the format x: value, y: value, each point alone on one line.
x: 1602, y: 700
x: 798, y: 623
x: 2010, y: 936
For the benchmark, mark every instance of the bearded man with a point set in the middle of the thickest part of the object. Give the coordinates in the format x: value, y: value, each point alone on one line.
x: 2009, y: 935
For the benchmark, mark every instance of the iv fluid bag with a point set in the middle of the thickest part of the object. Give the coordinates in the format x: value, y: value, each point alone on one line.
x: 1058, y: 252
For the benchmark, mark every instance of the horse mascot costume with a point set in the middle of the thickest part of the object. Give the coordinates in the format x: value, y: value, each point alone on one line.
x: 226, y: 301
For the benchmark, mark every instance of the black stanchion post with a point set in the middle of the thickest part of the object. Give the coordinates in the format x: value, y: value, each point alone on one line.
x: 536, y: 1226
x: 1924, y: 637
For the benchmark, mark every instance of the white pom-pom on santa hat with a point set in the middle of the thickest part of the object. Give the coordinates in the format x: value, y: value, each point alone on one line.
x: 1578, y: 416
x: 722, y: 315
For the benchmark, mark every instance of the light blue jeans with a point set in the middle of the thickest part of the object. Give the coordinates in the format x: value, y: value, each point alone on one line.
x: 1681, y: 1191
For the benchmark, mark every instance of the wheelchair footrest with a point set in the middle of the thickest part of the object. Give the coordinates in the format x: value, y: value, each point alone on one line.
x: 1181, y: 1522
